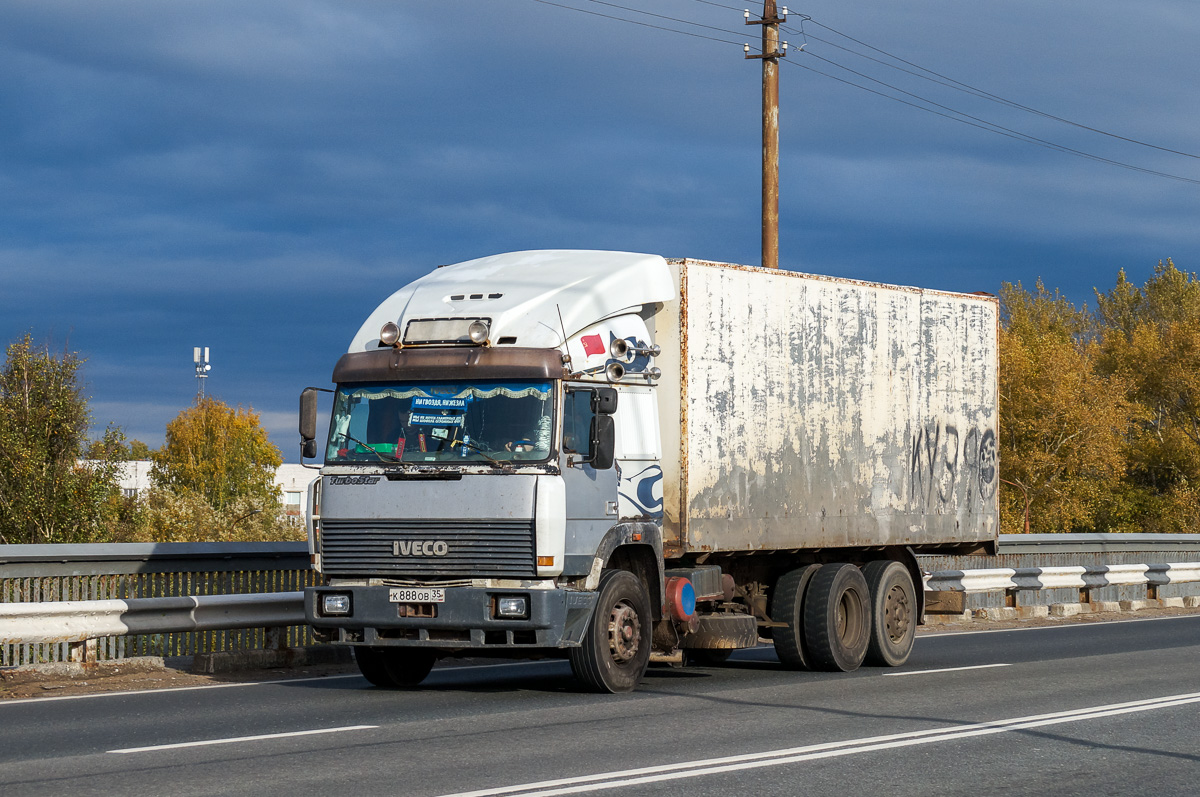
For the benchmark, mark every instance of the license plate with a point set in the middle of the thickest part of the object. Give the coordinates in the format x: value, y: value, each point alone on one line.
x: 417, y: 595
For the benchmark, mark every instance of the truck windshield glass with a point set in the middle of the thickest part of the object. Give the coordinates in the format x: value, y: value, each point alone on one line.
x: 441, y: 422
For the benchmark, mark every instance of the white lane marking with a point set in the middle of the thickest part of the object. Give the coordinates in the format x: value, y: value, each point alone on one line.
x: 236, y: 739
x: 712, y: 766
x: 947, y: 669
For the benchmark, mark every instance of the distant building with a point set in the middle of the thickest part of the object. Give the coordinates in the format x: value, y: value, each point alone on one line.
x: 292, y: 481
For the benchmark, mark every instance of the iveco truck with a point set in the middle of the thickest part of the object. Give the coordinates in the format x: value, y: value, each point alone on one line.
x: 614, y: 457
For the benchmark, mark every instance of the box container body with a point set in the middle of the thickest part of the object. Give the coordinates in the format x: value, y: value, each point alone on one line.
x: 811, y: 412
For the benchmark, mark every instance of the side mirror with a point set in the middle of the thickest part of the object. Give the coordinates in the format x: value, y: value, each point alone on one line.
x: 308, y: 422
x: 604, y: 442
x: 604, y: 400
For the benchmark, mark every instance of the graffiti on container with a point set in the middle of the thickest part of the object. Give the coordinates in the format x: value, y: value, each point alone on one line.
x: 943, y: 458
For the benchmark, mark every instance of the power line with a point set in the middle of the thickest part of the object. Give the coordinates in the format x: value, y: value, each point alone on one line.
x: 947, y: 112
x: 660, y: 16
x: 642, y: 24
x: 983, y: 124
x: 958, y: 85
x: 949, y: 82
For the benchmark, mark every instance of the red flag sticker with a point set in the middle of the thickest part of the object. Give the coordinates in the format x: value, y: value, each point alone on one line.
x: 592, y: 344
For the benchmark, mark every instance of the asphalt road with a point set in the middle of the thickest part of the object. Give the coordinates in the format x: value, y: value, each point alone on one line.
x: 1089, y: 709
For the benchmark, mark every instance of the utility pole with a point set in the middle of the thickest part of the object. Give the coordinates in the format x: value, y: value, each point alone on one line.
x: 771, y: 53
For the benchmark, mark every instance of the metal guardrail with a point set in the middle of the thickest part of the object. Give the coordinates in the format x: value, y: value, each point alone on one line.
x: 1083, y: 578
x: 101, y: 559
x: 132, y: 572
x: 81, y: 623
x: 78, y: 621
x: 82, y: 602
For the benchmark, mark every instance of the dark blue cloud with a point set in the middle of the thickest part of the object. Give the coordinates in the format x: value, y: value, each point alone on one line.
x: 255, y: 178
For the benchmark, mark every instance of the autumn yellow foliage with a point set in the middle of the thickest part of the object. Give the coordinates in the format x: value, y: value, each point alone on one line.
x: 219, y: 453
x: 1100, y: 412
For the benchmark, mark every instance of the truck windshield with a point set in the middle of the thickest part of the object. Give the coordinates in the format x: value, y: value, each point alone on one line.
x: 441, y: 422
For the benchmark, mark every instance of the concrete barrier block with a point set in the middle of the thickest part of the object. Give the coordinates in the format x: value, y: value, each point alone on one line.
x: 1134, y: 606
x: 1172, y: 603
x: 1028, y: 612
x: 1105, y: 606
x: 1065, y: 609
x: 938, y: 619
x: 1191, y: 601
x: 996, y: 613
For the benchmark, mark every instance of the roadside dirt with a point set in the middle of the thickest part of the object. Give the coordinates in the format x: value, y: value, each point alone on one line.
x: 136, y: 674
x: 61, y: 680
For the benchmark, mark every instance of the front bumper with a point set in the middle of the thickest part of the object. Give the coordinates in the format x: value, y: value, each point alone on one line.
x: 557, y: 618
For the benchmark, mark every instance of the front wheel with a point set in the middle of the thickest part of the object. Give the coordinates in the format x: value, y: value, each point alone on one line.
x: 394, y: 668
x: 616, y: 645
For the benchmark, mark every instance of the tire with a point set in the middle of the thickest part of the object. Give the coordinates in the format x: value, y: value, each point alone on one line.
x: 394, y: 668
x: 837, y: 618
x: 787, y: 606
x: 616, y: 645
x: 893, y: 612
x: 707, y: 657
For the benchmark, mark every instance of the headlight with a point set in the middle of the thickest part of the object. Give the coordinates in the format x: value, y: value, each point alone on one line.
x: 512, y: 607
x: 335, y: 604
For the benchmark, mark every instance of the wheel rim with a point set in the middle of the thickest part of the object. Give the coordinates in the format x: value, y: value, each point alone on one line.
x: 897, y: 614
x: 849, y: 620
x: 624, y: 631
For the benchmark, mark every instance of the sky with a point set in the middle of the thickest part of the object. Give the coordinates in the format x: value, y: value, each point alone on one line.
x: 255, y: 177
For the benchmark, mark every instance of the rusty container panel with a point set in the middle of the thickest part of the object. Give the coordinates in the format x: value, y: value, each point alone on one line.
x: 818, y: 412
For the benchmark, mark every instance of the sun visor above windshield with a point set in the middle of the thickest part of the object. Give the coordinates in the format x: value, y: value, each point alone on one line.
x: 384, y: 365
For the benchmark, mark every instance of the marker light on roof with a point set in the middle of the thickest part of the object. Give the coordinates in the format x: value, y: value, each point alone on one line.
x: 389, y: 334
x: 478, y: 332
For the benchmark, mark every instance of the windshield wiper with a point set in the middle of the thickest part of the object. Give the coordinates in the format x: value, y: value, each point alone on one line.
x: 497, y: 462
x: 382, y: 455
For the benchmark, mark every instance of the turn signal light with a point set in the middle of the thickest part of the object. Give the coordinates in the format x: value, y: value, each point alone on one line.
x: 545, y: 561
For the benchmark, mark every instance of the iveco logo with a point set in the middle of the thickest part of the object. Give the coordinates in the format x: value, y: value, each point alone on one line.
x: 420, y: 548
x: 353, y: 479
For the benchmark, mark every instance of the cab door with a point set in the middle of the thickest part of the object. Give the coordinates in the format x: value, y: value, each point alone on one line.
x: 591, y: 485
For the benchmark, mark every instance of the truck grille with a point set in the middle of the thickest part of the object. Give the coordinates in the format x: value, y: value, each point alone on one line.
x: 476, y: 548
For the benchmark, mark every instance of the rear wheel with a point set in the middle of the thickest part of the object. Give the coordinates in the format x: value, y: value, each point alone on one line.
x: 616, y: 645
x: 894, y: 613
x: 787, y: 606
x: 394, y: 668
x: 837, y: 618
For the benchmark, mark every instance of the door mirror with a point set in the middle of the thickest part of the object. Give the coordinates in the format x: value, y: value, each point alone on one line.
x: 604, y: 401
x: 308, y: 422
x: 604, y: 442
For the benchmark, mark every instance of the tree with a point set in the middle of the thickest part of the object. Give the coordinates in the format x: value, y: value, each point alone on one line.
x: 1062, y: 425
x: 1151, y: 340
x: 105, y: 448
x: 46, y: 495
x: 219, y: 453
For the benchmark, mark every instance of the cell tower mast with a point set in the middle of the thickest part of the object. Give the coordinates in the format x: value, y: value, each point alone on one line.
x: 200, y: 358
